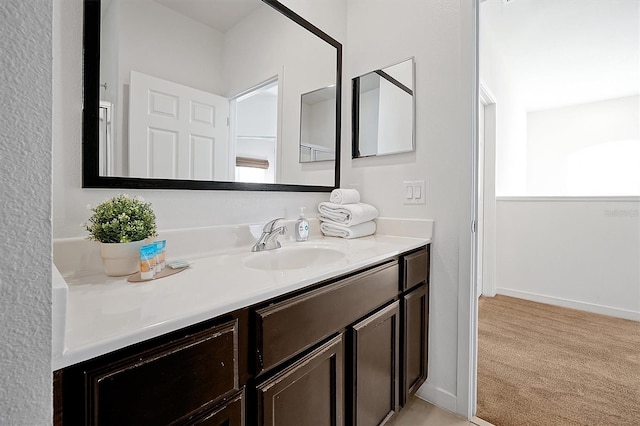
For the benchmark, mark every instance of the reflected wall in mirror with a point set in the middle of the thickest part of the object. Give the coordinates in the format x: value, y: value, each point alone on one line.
x: 384, y: 111
x: 317, y: 124
x: 204, y: 94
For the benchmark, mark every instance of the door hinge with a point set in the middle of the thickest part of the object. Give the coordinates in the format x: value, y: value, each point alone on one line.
x: 474, y: 226
x: 228, y: 122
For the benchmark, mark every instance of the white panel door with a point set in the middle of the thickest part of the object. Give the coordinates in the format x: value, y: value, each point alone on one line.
x: 176, y: 131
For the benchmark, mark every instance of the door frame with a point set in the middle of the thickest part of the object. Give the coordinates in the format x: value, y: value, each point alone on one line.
x: 488, y: 159
x: 233, y: 119
x: 466, y: 375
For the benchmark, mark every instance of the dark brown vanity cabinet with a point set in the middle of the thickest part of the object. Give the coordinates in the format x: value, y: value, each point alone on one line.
x: 313, y: 387
x: 310, y: 391
x: 415, y: 319
x: 375, y: 369
x: 348, y: 351
x: 188, y: 377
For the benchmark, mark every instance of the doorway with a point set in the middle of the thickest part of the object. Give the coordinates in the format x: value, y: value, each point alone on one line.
x: 543, y: 218
x: 254, y: 130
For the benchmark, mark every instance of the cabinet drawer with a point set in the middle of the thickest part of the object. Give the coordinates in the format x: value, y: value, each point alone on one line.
x: 229, y: 414
x: 416, y: 269
x: 291, y: 326
x: 166, y: 384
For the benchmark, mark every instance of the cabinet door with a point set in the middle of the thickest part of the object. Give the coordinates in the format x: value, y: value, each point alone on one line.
x: 415, y: 336
x: 308, y: 392
x: 376, y: 367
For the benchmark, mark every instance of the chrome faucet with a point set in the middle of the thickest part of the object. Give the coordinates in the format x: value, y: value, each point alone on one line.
x: 269, y: 238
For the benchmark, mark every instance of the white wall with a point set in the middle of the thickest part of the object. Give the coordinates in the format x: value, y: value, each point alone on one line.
x: 511, y: 137
x: 257, y: 115
x: 556, y: 136
x: 581, y: 253
x: 319, y: 123
x: 109, y: 45
x: 368, y: 110
x: 25, y: 217
x: 152, y: 40
x: 266, y: 44
x: 438, y: 34
x: 395, y: 130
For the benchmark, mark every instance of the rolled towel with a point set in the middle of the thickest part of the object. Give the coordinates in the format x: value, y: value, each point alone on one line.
x: 345, y: 196
x: 346, y: 214
x: 332, y: 229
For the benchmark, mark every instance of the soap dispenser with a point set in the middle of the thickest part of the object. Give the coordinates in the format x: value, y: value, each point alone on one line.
x: 302, y: 227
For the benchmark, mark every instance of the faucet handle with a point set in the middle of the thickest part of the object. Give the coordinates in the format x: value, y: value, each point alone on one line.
x: 268, y: 227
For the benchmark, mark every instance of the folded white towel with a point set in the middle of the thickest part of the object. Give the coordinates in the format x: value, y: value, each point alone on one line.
x: 332, y: 229
x: 345, y: 196
x: 346, y: 214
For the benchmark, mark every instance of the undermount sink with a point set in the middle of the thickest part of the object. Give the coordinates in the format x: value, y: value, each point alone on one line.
x: 293, y: 258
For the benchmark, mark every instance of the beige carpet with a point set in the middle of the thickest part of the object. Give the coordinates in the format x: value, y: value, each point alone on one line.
x: 545, y: 365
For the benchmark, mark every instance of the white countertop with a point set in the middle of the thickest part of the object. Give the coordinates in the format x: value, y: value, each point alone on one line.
x: 105, y: 313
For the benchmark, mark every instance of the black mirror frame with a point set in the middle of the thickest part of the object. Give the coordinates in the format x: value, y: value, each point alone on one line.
x: 90, y: 128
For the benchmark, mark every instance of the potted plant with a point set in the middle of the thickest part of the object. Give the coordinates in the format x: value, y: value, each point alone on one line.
x: 122, y: 225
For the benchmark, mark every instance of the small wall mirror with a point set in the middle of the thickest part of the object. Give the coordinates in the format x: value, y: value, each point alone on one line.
x: 317, y: 125
x: 384, y: 111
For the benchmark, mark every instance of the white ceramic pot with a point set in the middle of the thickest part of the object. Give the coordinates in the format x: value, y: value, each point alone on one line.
x: 121, y: 259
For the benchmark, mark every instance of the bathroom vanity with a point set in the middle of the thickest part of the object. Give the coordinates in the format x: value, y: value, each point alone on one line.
x: 343, y: 343
x: 327, y: 331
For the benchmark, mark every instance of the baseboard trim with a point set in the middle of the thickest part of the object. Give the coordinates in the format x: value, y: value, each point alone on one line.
x: 574, y: 304
x: 438, y: 397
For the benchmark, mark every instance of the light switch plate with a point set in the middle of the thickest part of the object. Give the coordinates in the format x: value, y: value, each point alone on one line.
x: 414, y: 192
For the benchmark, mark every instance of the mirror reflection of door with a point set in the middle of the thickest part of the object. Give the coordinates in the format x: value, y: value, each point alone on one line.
x: 176, y: 131
x: 254, y: 130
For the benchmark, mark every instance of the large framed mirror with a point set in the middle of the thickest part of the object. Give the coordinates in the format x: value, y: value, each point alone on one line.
x: 204, y: 94
x: 383, y: 115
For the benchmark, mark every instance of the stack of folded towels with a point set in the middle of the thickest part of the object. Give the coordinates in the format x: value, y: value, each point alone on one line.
x: 345, y: 216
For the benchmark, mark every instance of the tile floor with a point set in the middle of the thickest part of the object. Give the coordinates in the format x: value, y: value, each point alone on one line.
x: 420, y: 413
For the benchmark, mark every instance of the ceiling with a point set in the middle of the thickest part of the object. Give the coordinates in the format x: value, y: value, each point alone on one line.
x: 218, y: 14
x: 564, y: 52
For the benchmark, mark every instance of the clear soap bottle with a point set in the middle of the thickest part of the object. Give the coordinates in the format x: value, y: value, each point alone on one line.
x: 302, y: 227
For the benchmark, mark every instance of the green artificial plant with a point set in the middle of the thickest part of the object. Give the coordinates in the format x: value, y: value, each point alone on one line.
x: 121, y: 219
